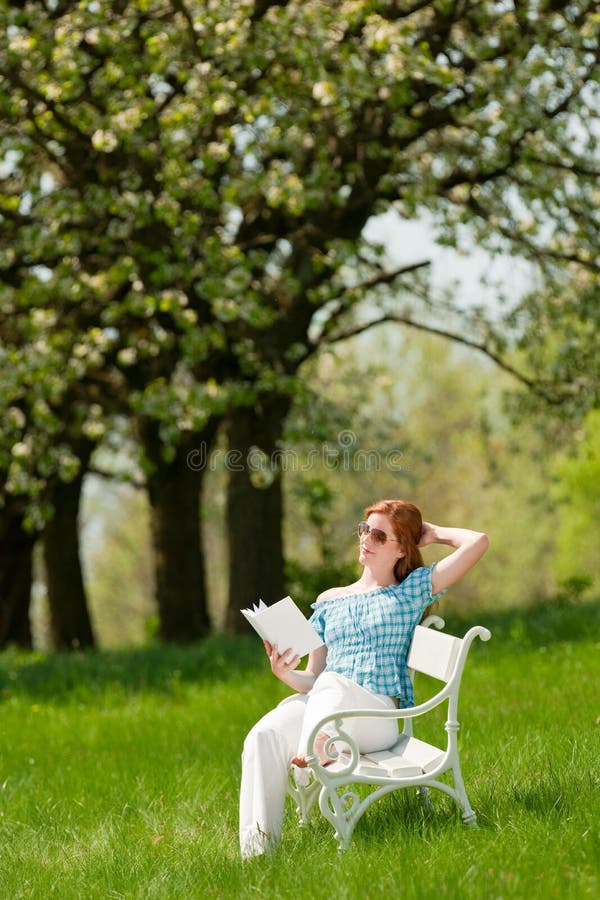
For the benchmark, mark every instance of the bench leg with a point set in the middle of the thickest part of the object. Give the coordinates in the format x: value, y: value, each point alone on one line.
x: 304, y: 797
x: 469, y: 816
x: 423, y: 795
x: 342, y: 811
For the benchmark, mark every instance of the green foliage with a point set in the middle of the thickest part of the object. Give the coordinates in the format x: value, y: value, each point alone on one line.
x: 563, y: 618
x: 120, y: 778
x: 306, y: 583
x: 577, y: 490
x: 556, y: 329
x: 415, y: 418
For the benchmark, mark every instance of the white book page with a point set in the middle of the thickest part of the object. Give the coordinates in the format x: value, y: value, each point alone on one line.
x: 285, y: 625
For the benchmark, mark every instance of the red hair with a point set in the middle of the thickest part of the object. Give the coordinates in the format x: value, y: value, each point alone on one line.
x: 407, y: 525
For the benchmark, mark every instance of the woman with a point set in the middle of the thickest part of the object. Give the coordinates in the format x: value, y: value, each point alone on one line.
x: 367, y: 628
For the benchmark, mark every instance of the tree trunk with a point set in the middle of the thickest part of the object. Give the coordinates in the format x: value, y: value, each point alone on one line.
x: 16, y: 551
x: 70, y: 622
x: 254, y: 513
x: 174, y: 490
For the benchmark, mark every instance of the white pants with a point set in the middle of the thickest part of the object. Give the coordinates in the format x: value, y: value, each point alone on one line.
x: 282, y: 734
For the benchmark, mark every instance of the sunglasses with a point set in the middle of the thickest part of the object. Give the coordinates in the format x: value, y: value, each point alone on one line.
x: 379, y: 536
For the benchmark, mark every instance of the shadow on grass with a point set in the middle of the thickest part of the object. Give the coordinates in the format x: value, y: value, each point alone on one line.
x: 548, y: 622
x: 160, y: 668
x: 396, y: 817
x: 554, y: 793
x: 220, y: 659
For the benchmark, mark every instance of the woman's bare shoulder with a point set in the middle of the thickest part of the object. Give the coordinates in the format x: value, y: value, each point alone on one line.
x: 335, y: 592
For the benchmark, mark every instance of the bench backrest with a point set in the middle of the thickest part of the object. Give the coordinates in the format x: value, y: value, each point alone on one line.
x: 433, y: 653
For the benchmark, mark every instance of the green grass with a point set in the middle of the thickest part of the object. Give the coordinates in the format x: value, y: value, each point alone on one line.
x: 119, y: 775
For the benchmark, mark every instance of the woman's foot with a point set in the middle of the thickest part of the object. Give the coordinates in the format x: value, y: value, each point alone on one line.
x: 301, y: 762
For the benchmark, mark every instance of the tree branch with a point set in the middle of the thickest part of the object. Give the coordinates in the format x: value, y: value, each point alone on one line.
x: 179, y: 6
x: 389, y: 277
x: 261, y: 8
x: 122, y: 477
x: 368, y: 284
x: 532, y: 249
x: 481, y: 346
x: 574, y: 167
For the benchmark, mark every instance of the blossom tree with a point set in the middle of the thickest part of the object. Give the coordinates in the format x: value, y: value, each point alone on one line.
x: 185, y: 188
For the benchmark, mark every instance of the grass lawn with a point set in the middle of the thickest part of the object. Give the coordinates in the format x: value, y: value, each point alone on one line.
x: 119, y: 775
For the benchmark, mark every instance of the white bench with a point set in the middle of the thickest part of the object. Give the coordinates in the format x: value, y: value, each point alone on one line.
x: 411, y: 762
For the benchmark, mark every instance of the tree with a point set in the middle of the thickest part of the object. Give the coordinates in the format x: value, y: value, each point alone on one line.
x: 255, y: 511
x: 70, y: 622
x: 174, y: 491
x: 195, y: 179
x: 46, y: 442
x: 16, y: 552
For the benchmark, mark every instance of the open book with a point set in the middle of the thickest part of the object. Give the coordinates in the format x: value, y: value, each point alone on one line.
x: 283, y: 624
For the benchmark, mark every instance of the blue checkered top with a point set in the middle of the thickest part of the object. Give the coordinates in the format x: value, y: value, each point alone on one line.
x: 368, y: 635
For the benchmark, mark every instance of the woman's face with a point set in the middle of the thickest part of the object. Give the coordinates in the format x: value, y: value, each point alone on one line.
x: 373, y: 548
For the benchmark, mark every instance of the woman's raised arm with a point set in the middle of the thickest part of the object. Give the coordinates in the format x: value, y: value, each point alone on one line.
x: 469, y: 548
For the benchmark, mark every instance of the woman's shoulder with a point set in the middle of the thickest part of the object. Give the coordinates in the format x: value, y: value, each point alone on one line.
x: 335, y: 592
x: 330, y: 594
